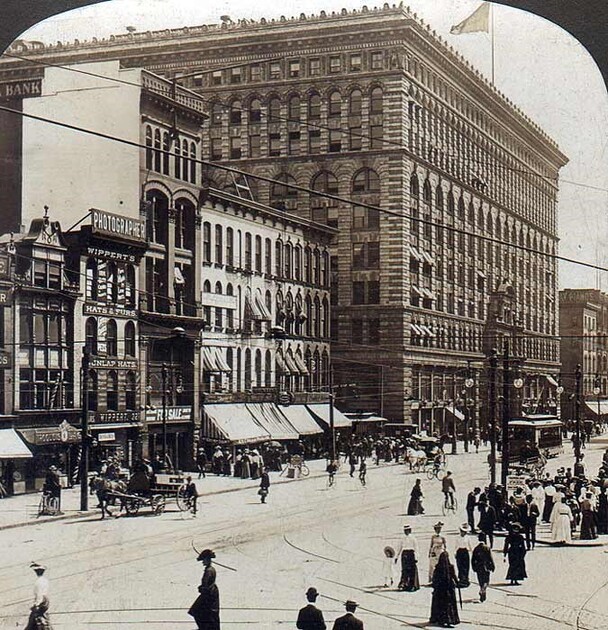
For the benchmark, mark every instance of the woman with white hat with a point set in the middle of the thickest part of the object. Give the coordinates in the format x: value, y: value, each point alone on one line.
x: 437, y: 547
x: 39, y: 619
x: 463, y: 555
x: 408, y: 556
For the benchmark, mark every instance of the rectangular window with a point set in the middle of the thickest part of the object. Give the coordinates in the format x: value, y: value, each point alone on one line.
x: 355, y: 62
x: 373, y: 292
x: 274, y: 144
x: 334, y: 64
x: 256, y: 72
x: 236, y: 75
x: 355, y: 139
x: 314, y: 141
x: 248, y: 251
x: 358, y: 217
x: 335, y: 140
x: 377, y: 60
x: 358, y: 292
x: 254, y: 146
x: 373, y: 255
x: 373, y: 331
x: 219, y: 319
x: 358, y: 255
x: 40, y: 273
x: 216, y: 78
x: 294, y: 68
x: 314, y: 67
x: 357, y: 335
x: 235, y: 148
x: 216, y: 148
x: 375, y: 137
x: 294, y: 142
x: 275, y: 70
x: 268, y: 257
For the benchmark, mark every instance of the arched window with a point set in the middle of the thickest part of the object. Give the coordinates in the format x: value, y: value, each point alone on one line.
x: 282, y: 196
x: 317, y: 317
x: 255, y: 111
x: 274, y: 109
x: 414, y: 185
x: 248, y: 252
x: 149, y: 150
x: 247, y: 369
x: 131, y: 391
x: 157, y: 153
x: 439, y: 198
x: 355, y: 103
x: 335, y: 104
x: 278, y: 258
x: 112, y: 391
x: 258, y: 368
x: 206, y: 286
x: 166, y: 151
x: 308, y: 313
x: 230, y: 247
x: 177, y: 159
x: 218, y: 288
x: 297, y: 262
x: 325, y: 318
x: 324, y: 210
x: 366, y: 180
x: 307, y: 264
x: 316, y: 267
x: 235, y: 112
x: 268, y: 369
x: 92, y: 284
x: 185, y: 161
x: 375, y: 105
x: 426, y: 192
x: 112, y: 282
x: 314, y: 106
x: 461, y: 208
x: 193, y: 164
x: 90, y: 332
x: 130, y: 339
x: 158, y: 210
x: 288, y: 260
x: 111, y: 338
x: 219, y: 244
x: 217, y: 114
x: 294, y: 108
x: 451, y: 205
x: 257, y: 266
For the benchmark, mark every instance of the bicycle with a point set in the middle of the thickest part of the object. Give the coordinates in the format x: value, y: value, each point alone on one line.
x: 435, y: 472
x: 449, y: 506
x: 185, y: 502
x: 49, y: 505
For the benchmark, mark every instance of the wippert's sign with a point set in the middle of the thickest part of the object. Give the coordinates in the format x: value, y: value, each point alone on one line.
x: 115, y: 225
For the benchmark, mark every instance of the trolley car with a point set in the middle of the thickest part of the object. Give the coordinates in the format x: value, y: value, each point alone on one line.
x: 538, y: 433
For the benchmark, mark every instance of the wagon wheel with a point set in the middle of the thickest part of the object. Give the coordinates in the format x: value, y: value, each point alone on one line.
x: 132, y: 506
x: 158, y: 504
x: 182, y: 499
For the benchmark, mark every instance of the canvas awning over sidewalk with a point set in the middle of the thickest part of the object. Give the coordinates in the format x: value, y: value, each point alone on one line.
x: 12, y: 446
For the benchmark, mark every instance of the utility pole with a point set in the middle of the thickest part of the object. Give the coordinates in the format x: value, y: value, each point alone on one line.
x: 578, y: 375
x: 331, y: 414
x: 506, y: 410
x: 492, y: 414
x: 164, y: 375
x: 85, y: 438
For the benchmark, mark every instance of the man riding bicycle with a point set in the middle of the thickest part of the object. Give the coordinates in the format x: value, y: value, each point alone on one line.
x: 449, y: 489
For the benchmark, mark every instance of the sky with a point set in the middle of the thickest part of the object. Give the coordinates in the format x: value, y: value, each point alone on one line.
x: 538, y: 66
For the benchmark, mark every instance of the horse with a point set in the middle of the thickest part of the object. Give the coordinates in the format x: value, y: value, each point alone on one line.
x: 104, y: 488
x: 415, y: 458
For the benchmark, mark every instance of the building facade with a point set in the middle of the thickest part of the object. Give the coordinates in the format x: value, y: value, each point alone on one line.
x: 374, y: 107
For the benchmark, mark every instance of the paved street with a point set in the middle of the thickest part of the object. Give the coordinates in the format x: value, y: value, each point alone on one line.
x: 136, y: 572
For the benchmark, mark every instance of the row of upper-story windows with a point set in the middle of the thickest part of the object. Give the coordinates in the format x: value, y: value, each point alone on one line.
x: 110, y: 338
x: 158, y: 223
x: 110, y: 282
x: 110, y: 390
x: 296, y: 68
x: 171, y: 155
x: 227, y: 246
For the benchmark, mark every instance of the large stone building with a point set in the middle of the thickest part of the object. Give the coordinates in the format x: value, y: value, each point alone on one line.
x: 373, y: 106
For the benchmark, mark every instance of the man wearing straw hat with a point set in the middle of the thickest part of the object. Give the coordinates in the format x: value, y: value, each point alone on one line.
x: 39, y: 619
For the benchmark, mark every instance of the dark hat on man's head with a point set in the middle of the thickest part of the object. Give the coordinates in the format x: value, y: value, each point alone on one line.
x: 37, y: 567
x: 349, y: 603
x: 206, y: 554
x: 311, y: 591
x: 516, y: 527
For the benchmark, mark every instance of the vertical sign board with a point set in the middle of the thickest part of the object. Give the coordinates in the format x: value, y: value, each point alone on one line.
x: 4, y: 267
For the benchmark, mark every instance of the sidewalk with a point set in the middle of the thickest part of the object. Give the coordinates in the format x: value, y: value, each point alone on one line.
x: 22, y: 510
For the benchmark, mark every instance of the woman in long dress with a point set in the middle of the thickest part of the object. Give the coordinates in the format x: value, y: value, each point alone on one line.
x: 560, y: 526
x: 588, y: 527
x: 444, y: 610
x: 463, y: 555
x: 437, y: 547
x: 515, y: 551
x: 408, y: 555
x: 206, y: 607
x: 415, y: 505
x: 602, y: 512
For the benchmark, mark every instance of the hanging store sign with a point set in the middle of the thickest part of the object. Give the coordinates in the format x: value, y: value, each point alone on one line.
x: 98, y: 252
x: 115, y: 416
x: 5, y: 359
x: 106, y: 437
x: 4, y: 267
x: 21, y: 89
x: 174, y: 414
x: 113, y: 364
x: 6, y: 297
x: 109, y: 311
x: 65, y: 433
x: 115, y: 225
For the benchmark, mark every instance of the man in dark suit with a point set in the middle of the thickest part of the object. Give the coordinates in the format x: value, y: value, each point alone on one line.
x: 348, y: 621
x: 471, y: 505
x: 530, y: 514
x: 310, y: 617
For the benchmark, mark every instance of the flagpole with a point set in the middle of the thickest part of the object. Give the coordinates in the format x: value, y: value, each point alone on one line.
x: 492, y: 37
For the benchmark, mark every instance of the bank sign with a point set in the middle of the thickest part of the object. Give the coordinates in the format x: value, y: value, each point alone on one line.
x: 110, y: 224
x: 21, y: 89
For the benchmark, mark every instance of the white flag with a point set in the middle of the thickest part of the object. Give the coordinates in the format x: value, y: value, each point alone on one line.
x: 477, y: 22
